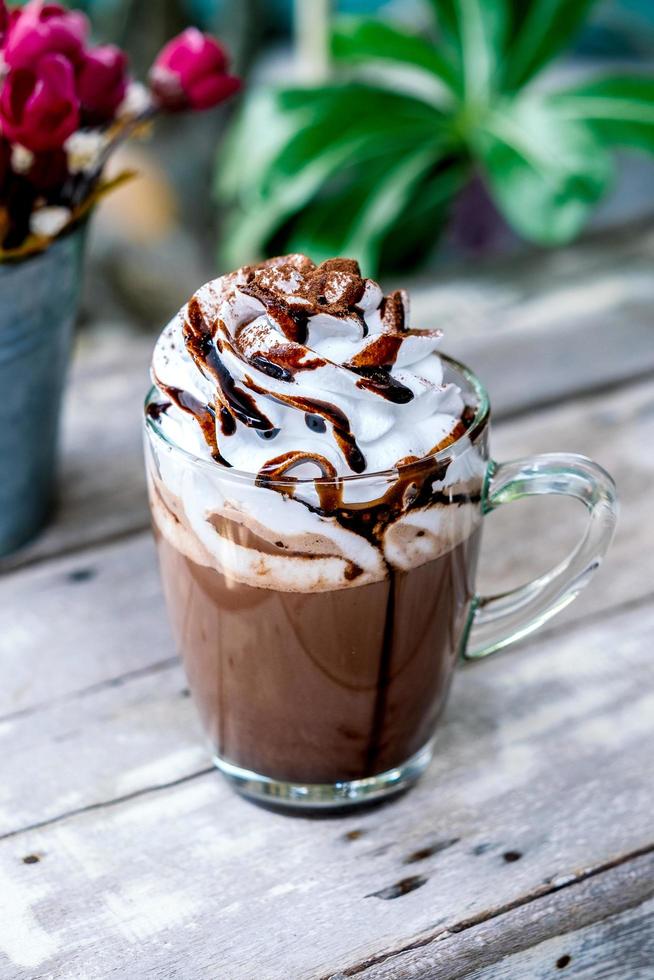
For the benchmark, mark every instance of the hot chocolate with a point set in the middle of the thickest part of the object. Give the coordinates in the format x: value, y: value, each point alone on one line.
x: 317, y: 532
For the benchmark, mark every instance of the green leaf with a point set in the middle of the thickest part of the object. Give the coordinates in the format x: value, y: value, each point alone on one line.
x: 416, y: 232
x: 325, y: 131
x: 478, y: 31
x: 396, y: 209
x: 541, y: 28
x: 261, y: 213
x: 363, y: 39
x: 369, y: 169
x: 352, y: 115
x: 370, y: 218
x: 327, y: 227
x: 386, y: 203
x: 545, y: 173
x: 446, y: 17
x: 240, y: 165
x: 618, y: 108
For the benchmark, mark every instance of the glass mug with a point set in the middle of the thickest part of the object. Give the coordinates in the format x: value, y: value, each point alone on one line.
x: 324, y: 692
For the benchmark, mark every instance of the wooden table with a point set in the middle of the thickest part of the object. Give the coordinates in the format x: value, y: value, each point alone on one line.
x: 528, y: 849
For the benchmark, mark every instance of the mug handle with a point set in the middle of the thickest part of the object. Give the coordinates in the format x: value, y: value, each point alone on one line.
x: 498, y: 620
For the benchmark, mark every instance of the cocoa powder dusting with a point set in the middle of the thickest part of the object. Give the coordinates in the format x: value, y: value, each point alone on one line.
x: 291, y: 290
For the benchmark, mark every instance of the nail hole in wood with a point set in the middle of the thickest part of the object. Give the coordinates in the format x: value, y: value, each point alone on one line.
x: 400, y: 888
x: 81, y: 575
x: 511, y: 856
x: 31, y: 859
x: 426, y: 852
x: 563, y: 961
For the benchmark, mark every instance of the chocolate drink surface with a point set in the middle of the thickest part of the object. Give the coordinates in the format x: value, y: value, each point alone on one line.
x: 320, y: 687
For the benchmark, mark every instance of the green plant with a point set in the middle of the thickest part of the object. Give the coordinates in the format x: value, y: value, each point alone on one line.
x: 369, y: 164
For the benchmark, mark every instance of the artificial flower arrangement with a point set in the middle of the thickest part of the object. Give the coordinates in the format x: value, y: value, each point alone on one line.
x: 65, y: 105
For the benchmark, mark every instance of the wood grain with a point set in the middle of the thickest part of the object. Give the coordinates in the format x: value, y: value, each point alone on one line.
x: 78, y: 621
x: 538, y: 326
x: 537, y: 781
x: 598, y: 926
x: 523, y: 539
x: 619, y: 946
x: 100, y: 744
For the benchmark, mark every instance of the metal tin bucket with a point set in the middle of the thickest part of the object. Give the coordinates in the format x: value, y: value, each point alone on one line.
x: 38, y: 306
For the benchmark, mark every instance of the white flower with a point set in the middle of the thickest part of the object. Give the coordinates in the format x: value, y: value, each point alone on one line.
x: 49, y: 221
x: 83, y: 150
x: 21, y: 159
x: 137, y: 100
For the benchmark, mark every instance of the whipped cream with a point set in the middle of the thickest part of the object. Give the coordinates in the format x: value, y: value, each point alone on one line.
x: 292, y: 372
x: 292, y: 368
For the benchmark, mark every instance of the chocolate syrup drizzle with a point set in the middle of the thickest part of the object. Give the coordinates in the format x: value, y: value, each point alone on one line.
x: 205, y: 415
x: 209, y: 341
x: 331, y: 413
x: 199, y: 341
x: 373, y: 364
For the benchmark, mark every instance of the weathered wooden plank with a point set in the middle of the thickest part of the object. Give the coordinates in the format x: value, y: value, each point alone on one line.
x: 580, y: 355
x: 601, y: 926
x: 530, y: 290
x: 90, y: 617
x: 77, y: 621
x: 621, y: 946
x: 523, y: 539
x: 537, y: 328
x: 101, y: 744
x: 538, y: 779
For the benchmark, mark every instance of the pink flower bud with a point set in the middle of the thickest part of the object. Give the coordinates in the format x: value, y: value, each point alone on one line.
x: 101, y: 83
x: 39, y: 108
x: 191, y: 73
x: 44, y: 28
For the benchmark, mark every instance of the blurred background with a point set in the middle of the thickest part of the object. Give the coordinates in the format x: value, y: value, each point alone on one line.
x: 264, y: 174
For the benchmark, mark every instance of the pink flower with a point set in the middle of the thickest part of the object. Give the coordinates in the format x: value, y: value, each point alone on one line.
x: 44, y: 28
x: 39, y: 108
x: 102, y: 83
x: 4, y: 20
x: 191, y: 73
